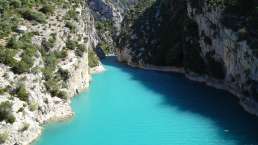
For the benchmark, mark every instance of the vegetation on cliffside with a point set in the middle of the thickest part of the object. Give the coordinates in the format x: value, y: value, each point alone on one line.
x: 172, y: 33
x: 158, y: 38
x: 30, y: 46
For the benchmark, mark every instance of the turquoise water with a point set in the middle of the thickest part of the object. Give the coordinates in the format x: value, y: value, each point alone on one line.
x: 126, y: 106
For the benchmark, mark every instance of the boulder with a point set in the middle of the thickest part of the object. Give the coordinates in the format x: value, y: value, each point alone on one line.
x: 78, y: 11
x: 21, y: 29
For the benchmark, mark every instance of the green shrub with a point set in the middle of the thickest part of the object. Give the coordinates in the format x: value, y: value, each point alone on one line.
x: 71, y: 26
x: 51, y: 60
x: 22, y: 93
x: 21, y: 109
x: 6, y: 28
x: 71, y: 14
x: 104, y: 25
x: 27, y: 60
x: 47, y: 44
x: 61, y: 54
x: 64, y: 74
x: 33, y: 15
x: 15, y: 3
x: 70, y: 44
x: 52, y: 86
x: 81, y: 49
x: 28, y: 55
x: 26, y: 38
x: 53, y: 36
x: 21, y: 67
x: 12, y: 43
x: 33, y: 106
x: 47, y: 9
x: 47, y: 72
x: 2, y: 91
x: 11, y: 119
x: 50, y: 43
x: 35, y: 70
x: 29, y: 51
x: 18, y: 44
x: 7, y: 56
x: 106, y: 47
x: 23, y: 42
x: 93, y: 59
x: 6, y: 112
x: 3, y: 137
x: 7, y: 25
x: 62, y: 95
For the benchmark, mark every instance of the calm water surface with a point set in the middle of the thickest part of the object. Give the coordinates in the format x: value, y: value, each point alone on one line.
x: 126, y: 106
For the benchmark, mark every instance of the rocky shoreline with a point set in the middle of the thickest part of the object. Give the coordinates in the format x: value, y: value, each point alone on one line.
x: 205, y: 43
x: 68, y: 113
x: 42, y: 106
x: 97, y: 69
x: 248, y: 105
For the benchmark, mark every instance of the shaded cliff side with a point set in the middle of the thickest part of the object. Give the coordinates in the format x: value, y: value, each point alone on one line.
x: 211, y: 41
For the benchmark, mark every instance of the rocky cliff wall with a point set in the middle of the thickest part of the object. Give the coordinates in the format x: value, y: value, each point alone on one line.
x: 109, y: 15
x: 212, y: 41
x: 49, y: 93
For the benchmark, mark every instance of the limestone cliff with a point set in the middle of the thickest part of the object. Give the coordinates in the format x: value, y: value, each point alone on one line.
x: 212, y: 41
x: 109, y: 15
x: 110, y: 10
x: 60, y: 69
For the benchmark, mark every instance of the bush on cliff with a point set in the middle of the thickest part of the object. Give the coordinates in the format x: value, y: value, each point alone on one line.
x: 52, y: 86
x: 7, y: 25
x: 7, y: 56
x: 47, y: 72
x: 3, y: 137
x: 32, y: 15
x: 48, y: 44
x: 23, y: 42
x: 71, y: 14
x: 22, y: 93
x: 47, y: 9
x: 71, y: 44
x: 61, y: 54
x: 62, y: 95
x: 106, y: 47
x: 2, y: 91
x: 33, y: 106
x: 6, y: 112
x: 93, y: 59
x: 21, y: 67
x: 26, y: 62
x: 71, y: 26
x: 64, y: 74
x: 81, y: 49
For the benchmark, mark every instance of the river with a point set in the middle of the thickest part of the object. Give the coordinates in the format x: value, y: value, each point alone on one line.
x: 128, y: 106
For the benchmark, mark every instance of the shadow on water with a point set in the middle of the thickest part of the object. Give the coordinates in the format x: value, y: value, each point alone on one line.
x: 216, y: 105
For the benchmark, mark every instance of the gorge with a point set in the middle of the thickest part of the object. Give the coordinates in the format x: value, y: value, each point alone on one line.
x: 51, y: 48
x: 150, y: 108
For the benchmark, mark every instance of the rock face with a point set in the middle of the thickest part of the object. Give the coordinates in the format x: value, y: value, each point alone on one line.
x: 109, y: 15
x: 213, y: 41
x: 110, y: 10
x: 43, y: 106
